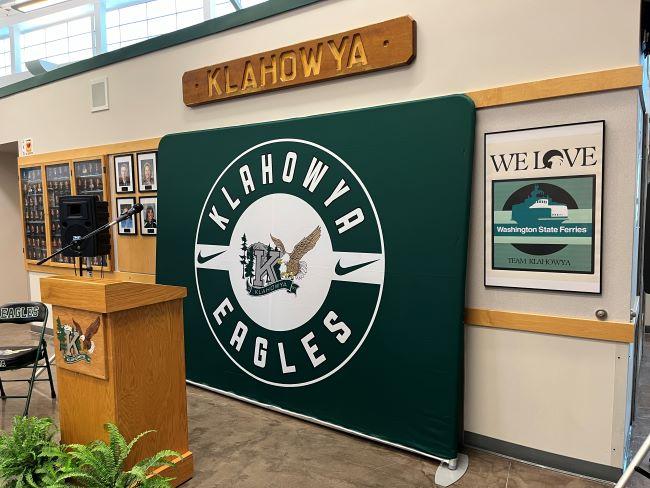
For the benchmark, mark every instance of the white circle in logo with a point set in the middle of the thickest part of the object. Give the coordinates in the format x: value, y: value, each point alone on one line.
x: 290, y: 219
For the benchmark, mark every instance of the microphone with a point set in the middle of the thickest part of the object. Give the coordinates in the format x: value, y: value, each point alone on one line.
x: 137, y: 208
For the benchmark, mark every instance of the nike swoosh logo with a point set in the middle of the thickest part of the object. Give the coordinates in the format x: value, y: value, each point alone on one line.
x: 343, y: 270
x: 204, y: 259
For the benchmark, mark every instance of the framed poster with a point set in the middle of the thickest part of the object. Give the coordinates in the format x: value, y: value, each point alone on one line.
x: 543, y: 207
x: 126, y: 227
x: 123, y: 166
x: 149, y: 216
x: 147, y: 172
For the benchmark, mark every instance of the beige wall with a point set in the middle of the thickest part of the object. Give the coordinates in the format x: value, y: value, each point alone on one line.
x: 462, y: 46
x: 13, y: 280
x: 562, y: 395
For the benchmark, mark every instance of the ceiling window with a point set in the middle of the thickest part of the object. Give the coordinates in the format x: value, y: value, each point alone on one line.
x: 136, y: 23
x: 250, y: 3
x: 5, y: 56
x: 223, y: 7
x: 62, y: 33
x: 60, y: 43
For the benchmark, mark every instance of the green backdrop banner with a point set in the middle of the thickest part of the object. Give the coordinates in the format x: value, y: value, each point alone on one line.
x: 325, y: 264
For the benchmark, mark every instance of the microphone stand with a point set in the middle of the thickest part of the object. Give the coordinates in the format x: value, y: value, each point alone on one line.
x: 75, y: 245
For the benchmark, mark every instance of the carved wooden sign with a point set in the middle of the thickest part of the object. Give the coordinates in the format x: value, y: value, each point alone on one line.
x: 375, y: 47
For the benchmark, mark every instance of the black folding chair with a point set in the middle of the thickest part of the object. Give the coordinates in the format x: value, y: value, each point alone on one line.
x: 25, y: 357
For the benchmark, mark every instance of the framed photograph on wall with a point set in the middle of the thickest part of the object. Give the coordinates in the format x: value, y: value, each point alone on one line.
x: 543, y: 207
x: 126, y: 227
x: 147, y: 175
x: 123, y: 166
x: 149, y: 216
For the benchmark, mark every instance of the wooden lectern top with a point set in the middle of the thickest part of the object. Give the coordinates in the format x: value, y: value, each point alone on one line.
x: 105, y: 295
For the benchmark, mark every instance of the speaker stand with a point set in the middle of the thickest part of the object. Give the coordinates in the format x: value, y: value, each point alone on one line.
x: 89, y: 267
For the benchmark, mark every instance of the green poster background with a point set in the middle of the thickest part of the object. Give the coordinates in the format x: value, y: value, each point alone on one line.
x: 574, y: 252
x: 404, y: 384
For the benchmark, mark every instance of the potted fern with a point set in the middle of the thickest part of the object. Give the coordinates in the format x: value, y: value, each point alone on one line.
x: 102, y: 464
x: 31, y: 458
x: 29, y: 452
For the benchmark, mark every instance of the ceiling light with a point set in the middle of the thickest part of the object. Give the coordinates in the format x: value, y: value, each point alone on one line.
x: 31, y: 5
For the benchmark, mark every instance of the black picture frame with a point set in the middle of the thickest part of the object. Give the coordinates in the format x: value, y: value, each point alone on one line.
x: 128, y: 227
x: 598, y: 188
x: 147, y: 178
x: 119, y: 162
x: 146, y: 228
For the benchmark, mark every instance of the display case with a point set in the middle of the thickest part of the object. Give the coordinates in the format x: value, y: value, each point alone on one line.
x: 41, y: 187
x: 31, y: 183
x: 89, y: 180
x: 58, y: 184
x: 89, y: 177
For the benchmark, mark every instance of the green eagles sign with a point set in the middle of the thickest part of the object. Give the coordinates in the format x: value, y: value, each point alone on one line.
x: 325, y: 263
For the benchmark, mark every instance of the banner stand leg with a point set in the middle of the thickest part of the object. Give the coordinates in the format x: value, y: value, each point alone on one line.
x: 454, y: 470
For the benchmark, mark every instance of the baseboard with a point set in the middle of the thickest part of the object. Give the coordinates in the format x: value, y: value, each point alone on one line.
x: 38, y: 328
x: 543, y: 458
x: 181, y: 471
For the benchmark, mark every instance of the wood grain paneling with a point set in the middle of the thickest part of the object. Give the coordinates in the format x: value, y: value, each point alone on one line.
x: 85, y: 405
x: 114, y: 275
x: 145, y: 361
x: 136, y: 253
x: 557, y: 87
x: 103, y: 295
x: 551, y: 324
x: 150, y: 376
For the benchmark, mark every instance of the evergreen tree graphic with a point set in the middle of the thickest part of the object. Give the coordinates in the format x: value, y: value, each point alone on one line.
x: 242, y: 258
x: 61, y: 335
x: 248, y: 271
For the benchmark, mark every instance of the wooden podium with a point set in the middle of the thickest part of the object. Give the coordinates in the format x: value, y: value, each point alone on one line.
x: 120, y: 358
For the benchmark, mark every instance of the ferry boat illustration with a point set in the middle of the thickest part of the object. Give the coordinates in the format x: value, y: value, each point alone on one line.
x: 539, y: 208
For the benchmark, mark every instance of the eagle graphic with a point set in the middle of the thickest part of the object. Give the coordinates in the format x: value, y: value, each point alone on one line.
x: 295, y: 268
x: 85, y: 339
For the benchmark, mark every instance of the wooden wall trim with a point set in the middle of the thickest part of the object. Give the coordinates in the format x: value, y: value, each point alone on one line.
x: 115, y: 275
x: 611, y: 79
x: 550, y: 324
x: 89, y: 152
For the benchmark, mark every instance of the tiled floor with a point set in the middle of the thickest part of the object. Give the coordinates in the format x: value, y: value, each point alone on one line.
x: 237, y: 445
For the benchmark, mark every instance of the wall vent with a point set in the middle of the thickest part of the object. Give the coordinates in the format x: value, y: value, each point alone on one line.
x: 99, y: 94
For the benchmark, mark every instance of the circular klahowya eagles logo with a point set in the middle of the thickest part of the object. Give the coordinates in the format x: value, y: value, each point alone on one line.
x: 289, y: 262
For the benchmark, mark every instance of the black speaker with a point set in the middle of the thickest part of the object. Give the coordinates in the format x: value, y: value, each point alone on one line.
x: 80, y: 215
